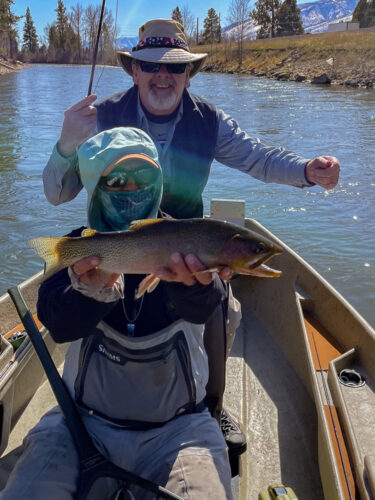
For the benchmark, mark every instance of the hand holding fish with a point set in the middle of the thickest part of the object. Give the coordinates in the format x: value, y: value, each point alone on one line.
x: 324, y: 171
x: 88, y: 273
x: 183, y: 270
x: 79, y: 123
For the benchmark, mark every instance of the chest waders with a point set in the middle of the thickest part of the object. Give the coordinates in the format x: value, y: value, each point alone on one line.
x: 93, y: 464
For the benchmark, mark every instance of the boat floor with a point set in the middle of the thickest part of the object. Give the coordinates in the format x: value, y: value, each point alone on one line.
x: 275, y: 411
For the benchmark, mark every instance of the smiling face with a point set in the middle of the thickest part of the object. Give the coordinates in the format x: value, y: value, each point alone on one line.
x: 160, y: 92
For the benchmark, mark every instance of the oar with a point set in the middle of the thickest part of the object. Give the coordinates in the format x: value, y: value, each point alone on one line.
x: 96, y: 48
x: 93, y: 463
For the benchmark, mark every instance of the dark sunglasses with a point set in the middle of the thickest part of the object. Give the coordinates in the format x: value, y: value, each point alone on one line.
x: 150, y: 67
x: 141, y: 176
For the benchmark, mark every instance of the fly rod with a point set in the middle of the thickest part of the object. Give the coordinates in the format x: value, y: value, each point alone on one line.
x: 96, y: 48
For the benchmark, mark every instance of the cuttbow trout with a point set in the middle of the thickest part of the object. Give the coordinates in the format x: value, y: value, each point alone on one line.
x: 148, y: 244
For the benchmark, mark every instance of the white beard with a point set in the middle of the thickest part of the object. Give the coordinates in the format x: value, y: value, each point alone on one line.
x: 162, y: 102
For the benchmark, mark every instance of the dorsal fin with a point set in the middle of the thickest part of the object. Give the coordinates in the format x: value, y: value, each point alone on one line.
x: 88, y: 232
x: 138, y: 224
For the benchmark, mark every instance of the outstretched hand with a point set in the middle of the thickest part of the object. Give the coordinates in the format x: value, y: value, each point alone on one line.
x: 324, y: 171
x: 181, y: 270
x: 88, y: 273
x: 79, y: 123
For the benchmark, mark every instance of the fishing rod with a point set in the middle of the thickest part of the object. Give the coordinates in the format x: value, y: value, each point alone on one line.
x: 96, y: 48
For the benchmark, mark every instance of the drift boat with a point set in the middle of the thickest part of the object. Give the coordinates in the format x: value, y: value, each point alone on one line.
x: 300, y: 380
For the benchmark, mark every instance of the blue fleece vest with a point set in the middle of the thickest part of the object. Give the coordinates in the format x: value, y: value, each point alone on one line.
x: 192, y: 147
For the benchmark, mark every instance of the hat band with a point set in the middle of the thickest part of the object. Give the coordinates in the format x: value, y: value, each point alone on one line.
x: 161, y: 41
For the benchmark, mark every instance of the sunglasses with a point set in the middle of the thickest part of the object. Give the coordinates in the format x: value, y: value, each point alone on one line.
x: 150, y: 67
x: 141, y: 176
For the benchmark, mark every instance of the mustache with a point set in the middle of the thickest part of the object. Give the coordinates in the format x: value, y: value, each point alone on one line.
x: 156, y: 81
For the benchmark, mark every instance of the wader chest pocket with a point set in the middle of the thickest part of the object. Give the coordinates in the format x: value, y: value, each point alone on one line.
x: 127, y: 386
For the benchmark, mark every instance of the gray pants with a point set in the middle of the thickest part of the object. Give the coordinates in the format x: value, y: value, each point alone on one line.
x: 187, y: 455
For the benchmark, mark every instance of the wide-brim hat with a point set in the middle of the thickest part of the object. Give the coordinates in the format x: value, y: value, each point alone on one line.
x: 162, y: 41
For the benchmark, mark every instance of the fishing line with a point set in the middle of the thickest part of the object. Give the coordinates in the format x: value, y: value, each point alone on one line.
x: 114, y: 44
x: 96, y: 48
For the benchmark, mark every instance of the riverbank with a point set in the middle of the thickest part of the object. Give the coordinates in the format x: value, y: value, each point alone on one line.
x: 7, y: 66
x: 350, y: 56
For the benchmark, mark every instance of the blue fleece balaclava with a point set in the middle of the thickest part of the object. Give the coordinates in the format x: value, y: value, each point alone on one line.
x: 108, y: 163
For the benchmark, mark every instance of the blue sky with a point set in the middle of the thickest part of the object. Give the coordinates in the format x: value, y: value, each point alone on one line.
x: 131, y: 13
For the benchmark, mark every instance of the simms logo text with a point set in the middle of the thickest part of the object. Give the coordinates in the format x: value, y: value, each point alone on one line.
x: 109, y: 355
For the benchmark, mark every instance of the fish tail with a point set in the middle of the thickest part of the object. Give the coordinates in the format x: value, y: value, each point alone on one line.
x: 49, y: 250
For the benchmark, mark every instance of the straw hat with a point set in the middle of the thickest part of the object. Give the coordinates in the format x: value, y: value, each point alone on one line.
x: 161, y: 41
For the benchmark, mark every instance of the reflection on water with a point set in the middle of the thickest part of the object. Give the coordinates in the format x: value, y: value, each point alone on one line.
x: 333, y: 231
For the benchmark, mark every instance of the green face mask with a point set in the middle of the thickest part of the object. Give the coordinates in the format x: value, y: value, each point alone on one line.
x: 113, y: 208
x: 119, y: 208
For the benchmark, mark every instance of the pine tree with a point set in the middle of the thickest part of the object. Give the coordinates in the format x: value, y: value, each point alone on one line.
x: 62, y: 26
x: 8, y: 31
x: 177, y: 16
x: 30, y: 37
x: 211, y: 28
x: 265, y: 15
x: 289, y: 20
x: 364, y: 13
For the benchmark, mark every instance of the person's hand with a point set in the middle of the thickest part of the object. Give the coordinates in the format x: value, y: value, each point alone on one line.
x: 87, y: 272
x: 79, y: 123
x: 181, y: 270
x: 324, y: 171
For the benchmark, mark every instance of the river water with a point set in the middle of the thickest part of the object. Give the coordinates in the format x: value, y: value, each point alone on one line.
x: 332, y: 230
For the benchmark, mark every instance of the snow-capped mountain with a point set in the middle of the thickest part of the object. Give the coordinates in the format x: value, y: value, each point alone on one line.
x: 126, y: 42
x: 315, y: 17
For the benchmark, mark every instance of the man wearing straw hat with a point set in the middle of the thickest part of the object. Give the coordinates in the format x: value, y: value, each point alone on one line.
x: 189, y: 134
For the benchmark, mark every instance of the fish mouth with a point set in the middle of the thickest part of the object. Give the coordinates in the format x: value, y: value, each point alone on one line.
x: 256, y: 267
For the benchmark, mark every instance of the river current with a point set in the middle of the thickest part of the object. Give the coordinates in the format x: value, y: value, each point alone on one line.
x: 332, y: 230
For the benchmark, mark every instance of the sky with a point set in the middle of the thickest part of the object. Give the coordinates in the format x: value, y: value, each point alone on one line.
x: 131, y: 14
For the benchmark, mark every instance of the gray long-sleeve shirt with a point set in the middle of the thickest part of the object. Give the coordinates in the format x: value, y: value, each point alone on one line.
x: 234, y: 148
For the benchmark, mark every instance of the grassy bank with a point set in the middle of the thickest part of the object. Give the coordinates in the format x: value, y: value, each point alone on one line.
x: 301, y: 58
x: 7, y: 66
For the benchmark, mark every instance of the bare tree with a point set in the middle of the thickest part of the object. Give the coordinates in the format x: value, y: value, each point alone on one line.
x: 189, y: 22
x: 238, y: 13
x: 75, y: 18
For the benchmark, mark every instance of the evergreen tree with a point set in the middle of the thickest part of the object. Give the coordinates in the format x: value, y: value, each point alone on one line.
x: 62, y: 26
x: 289, y: 20
x: 265, y: 15
x: 177, y: 16
x: 211, y: 28
x: 8, y: 31
x: 364, y: 13
x: 30, y: 37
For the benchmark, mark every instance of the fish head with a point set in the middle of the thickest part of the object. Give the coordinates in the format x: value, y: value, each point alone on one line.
x: 247, y: 254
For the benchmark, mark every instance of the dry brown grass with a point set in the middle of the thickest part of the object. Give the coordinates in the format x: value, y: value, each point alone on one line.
x: 307, y: 54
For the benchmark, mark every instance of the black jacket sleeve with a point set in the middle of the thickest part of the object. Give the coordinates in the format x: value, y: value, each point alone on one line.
x: 196, y: 303
x: 66, y: 313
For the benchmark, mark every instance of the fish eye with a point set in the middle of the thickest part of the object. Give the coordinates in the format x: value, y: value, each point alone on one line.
x: 260, y: 247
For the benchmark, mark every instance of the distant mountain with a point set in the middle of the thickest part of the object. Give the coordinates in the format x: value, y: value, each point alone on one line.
x: 315, y: 17
x: 126, y: 42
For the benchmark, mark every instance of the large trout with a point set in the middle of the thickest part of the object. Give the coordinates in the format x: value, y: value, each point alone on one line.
x: 148, y: 245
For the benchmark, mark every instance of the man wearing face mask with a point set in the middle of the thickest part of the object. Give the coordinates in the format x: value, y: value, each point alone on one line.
x: 144, y: 413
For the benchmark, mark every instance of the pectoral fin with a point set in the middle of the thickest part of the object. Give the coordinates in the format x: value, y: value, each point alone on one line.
x: 148, y: 284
